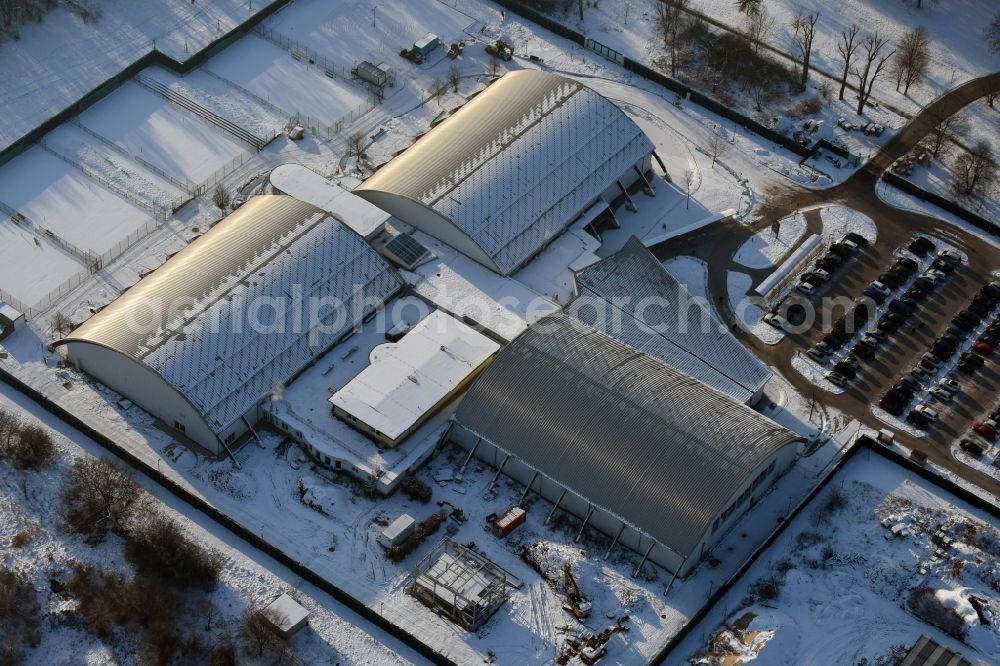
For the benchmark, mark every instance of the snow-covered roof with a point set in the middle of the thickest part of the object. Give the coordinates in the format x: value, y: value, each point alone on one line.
x: 197, y: 321
x: 623, y: 429
x: 289, y: 613
x: 306, y: 185
x: 9, y: 312
x: 517, y: 163
x: 407, y: 379
x: 630, y: 296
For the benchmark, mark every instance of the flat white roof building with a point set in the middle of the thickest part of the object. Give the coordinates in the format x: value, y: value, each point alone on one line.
x: 295, y: 180
x: 408, y: 380
x: 285, y: 615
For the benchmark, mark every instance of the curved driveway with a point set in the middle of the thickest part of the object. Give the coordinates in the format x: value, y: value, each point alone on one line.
x: 717, y: 244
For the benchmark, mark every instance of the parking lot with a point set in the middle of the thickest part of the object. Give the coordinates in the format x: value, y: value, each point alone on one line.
x: 920, y: 326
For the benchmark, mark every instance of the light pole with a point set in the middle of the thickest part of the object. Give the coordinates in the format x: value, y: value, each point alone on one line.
x: 374, y: 7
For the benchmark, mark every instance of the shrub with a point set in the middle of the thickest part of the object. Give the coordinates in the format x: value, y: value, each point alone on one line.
x: 766, y: 589
x: 157, y: 548
x: 98, y: 496
x: 31, y: 448
x: 415, y: 489
x: 19, y: 615
x: 807, y: 107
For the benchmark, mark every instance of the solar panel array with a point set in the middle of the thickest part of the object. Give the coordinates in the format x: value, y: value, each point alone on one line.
x: 407, y: 249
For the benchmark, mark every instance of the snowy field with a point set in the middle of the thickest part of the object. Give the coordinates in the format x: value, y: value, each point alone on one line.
x: 833, y: 590
x: 54, y: 63
x: 64, y: 200
x: 31, y: 266
x: 151, y: 128
x: 73, y: 142
x: 376, y: 29
x: 271, y: 73
x: 222, y: 99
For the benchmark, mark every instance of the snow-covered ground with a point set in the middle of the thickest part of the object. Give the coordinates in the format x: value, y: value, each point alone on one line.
x: 62, y: 199
x: 248, y: 577
x: 31, y: 266
x: 271, y: 73
x: 765, y: 248
x: 749, y: 315
x: 842, y: 591
x: 54, y: 63
x: 151, y: 128
x: 900, y: 199
x: 838, y: 221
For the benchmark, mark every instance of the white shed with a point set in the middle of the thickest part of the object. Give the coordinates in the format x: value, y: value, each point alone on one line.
x: 397, y: 531
x: 285, y: 615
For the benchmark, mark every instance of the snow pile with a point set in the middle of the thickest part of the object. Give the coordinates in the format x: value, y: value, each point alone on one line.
x: 814, y: 373
x: 316, y: 494
x: 765, y: 249
x: 839, y: 221
x: 956, y: 601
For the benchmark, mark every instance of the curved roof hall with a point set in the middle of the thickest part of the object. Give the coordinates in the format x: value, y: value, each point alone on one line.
x: 225, y: 320
x: 636, y: 437
x: 516, y: 164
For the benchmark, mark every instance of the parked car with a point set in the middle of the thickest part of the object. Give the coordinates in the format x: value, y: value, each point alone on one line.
x: 924, y: 284
x: 875, y: 295
x: 921, y: 246
x: 991, y: 340
x: 966, y: 367
x: 818, y: 356
x: 806, y: 288
x: 918, y: 419
x: 846, y: 368
x: 941, y: 394
x: 985, y: 431
x: 963, y: 324
x: 922, y: 375
x: 972, y: 447
x: 974, y: 359
x: 932, y: 360
x: 907, y: 263
x: 828, y: 264
x: 878, y: 335
x: 836, y: 379
x: 884, y: 289
x: 943, y: 266
x: 982, y: 347
x: 929, y: 412
x: 903, y: 306
x: 943, y: 351
x: 863, y: 352
x: 950, y: 384
x: 813, y: 279
x: 775, y: 320
x: 856, y: 238
x: 951, y: 256
x: 986, y: 301
x: 979, y: 310
x: 893, y: 407
x: 843, y: 249
x: 992, y: 290
x: 884, y: 324
x: 870, y: 342
x: 835, y: 339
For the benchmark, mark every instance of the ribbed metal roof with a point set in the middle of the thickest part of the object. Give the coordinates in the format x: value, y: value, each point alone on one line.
x: 631, y: 434
x: 517, y: 163
x: 274, y: 249
x: 653, y: 312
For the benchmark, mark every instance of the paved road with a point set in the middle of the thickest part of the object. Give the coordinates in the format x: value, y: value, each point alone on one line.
x: 716, y: 245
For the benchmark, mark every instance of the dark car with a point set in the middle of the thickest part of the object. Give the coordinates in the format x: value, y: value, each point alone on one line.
x: 875, y: 295
x: 834, y: 342
x: 985, y: 300
x: 908, y: 263
x: 966, y: 367
x: 943, y: 351
x: 917, y: 419
x: 903, y: 390
x: 828, y: 264
x: 845, y: 368
x: 924, y: 284
x: 991, y: 340
x: 841, y: 250
x: 993, y: 329
x: 963, y: 324
x: 921, y: 246
x: 972, y: 447
x: 943, y: 266
x: 971, y: 315
x: 813, y: 279
x: 902, y: 305
x: 992, y: 290
x: 894, y: 407
x: 973, y: 358
x: 916, y: 294
x: 980, y: 310
x: 948, y: 340
x: 892, y: 279
x: 863, y: 352
x: 884, y: 324
x: 856, y: 238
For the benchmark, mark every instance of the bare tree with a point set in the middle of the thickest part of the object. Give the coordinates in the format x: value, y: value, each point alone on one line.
x: 221, y: 198
x: 974, y: 172
x: 993, y: 34
x: 846, y: 47
x: 759, y: 25
x: 717, y: 147
x: 454, y: 77
x: 688, y: 179
x: 356, y: 146
x: 257, y: 633
x: 61, y: 324
x: 580, y: 5
x: 749, y: 6
x: 874, y: 61
x: 438, y: 88
x: 669, y: 24
x: 803, y: 32
x: 98, y: 496
x: 912, y: 58
x: 494, y: 66
x: 945, y: 133
x: 991, y: 98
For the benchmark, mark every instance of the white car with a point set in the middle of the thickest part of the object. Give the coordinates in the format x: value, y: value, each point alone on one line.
x: 950, y: 384
x: 775, y: 320
x: 806, y: 288
x: 836, y: 379
x: 942, y: 394
x: 821, y: 274
x: 881, y: 288
x: 929, y: 412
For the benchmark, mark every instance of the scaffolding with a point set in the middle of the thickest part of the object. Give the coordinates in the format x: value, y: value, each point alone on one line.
x: 459, y: 583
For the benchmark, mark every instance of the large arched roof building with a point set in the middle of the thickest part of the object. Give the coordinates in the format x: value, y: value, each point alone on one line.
x: 646, y: 454
x: 513, y: 168
x: 202, y: 341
